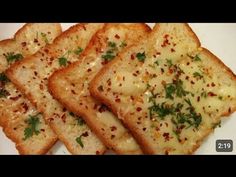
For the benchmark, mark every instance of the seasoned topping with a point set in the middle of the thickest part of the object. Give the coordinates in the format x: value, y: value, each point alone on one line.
x: 44, y: 37
x: 11, y: 57
x: 4, y: 93
x: 79, y: 141
x: 111, y: 52
x: 33, y: 123
x: 3, y: 78
x: 78, y: 51
x: 62, y: 61
x: 141, y: 56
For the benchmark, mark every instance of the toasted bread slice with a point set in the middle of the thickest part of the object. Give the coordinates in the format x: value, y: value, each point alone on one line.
x: 31, y: 77
x: 173, y: 93
x: 75, y: 96
x: 15, y: 109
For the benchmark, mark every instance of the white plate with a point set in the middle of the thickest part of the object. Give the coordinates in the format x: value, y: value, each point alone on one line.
x: 219, y: 38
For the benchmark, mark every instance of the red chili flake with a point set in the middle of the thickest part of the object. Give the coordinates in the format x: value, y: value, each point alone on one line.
x: 154, y: 56
x: 100, y: 88
x: 25, y: 106
x: 172, y: 50
x: 112, y: 136
x: 123, y: 78
x: 208, y: 85
x: 211, y: 94
x: 198, y: 98
x: 160, y: 124
x: 63, y: 118
x: 213, y: 84
x: 187, y: 77
x: 131, y: 97
x: 139, y: 109
x: 15, y: 98
x: 97, y: 152
x: 117, y: 36
x: 132, y: 57
x: 85, y: 134
x: 229, y: 111
x: 51, y: 119
x: 134, y: 74
x: 166, y: 41
x: 35, y: 73
x: 113, y: 128
x: 166, y: 136
x: 73, y: 92
x: 46, y: 50
x: 192, y: 82
x: 162, y: 70
x: 36, y: 41
x: 43, y: 130
x: 117, y: 100
x: 23, y: 44
x: 64, y: 109
x: 188, y: 63
x: 158, y: 53
x: 166, y: 152
x: 109, y: 82
x: 14, y: 128
x: 166, y: 124
x: 89, y: 70
x: 144, y: 129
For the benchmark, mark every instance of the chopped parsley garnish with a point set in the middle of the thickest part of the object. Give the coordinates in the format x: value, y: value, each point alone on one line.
x: 197, y: 58
x: 11, y: 57
x: 141, y: 56
x: 112, y: 44
x: 180, y: 116
x: 197, y: 75
x: 220, y: 97
x: 157, y: 63
x: 161, y: 110
x: 3, y: 78
x: 78, y: 51
x: 44, y: 36
x: 170, y: 90
x: 79, y: 119
x: 175, y: 88
x: 123, y: 44
x: 79, y: 141
x: 169, y: 63
x: 179, y: 88
x: 32, y: 128
x: 3, y: 93
x: 204, y: 94
x: 62, y: 61
x: 111, y: 52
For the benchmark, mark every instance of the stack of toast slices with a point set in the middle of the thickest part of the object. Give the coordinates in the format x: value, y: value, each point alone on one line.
x: 122, y: 87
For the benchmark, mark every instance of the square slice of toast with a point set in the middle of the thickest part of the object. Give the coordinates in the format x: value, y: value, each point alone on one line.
x: 75, y: 95
x: 173, y: 92
x: 16, y: 112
